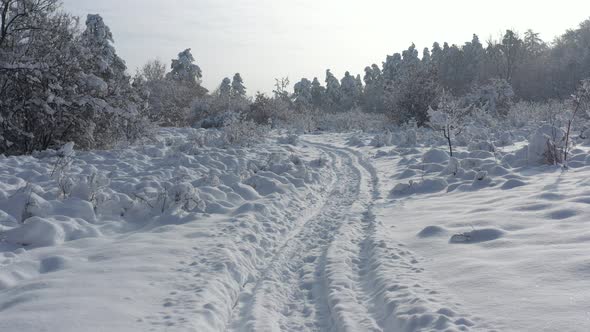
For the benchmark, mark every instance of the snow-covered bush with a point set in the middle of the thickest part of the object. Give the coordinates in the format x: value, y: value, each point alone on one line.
x: 301, y: 120
x: 524, y: 114
x: 173, y: 97
x: 265, y: 109
x: 212, y: 111
x: 291, y: 139
x: 546, y: 146
x: 355, y: 140
x: 171, y: 197
x: 448, y: 118
x: 382, y: 139
x: 243, y: 132
x: 481, y: 146
x: 217, y: 120
x: 505, y: 139
x: 411, y: 138
x: 494, y: 97
x: 580, y: 100
x: 352, y: 121
x: 90, y: 188
x: 453, y: 168
x: 60, y: 85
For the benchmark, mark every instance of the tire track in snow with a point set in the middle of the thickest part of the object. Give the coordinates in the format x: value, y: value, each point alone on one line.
x: 341, y: 271
x: 375, y: 284
x: 244, y: 313
x: 350, y: 294
x: 315, y: 282
x: 212, y: 284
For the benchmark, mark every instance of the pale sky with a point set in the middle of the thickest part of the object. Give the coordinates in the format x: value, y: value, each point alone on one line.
x: 267, y: 39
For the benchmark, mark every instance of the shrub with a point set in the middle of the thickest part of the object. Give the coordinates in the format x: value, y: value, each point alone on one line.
x: 240, y: 131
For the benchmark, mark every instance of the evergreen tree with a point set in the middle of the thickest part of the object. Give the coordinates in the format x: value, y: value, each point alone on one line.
x: 107, y: 82
x: 237, y: 86
x: 391, y: 67
x: 333, y: 92
x: 225, y: 88
x: 102, y: 58
x: 318, y: 93
x: 358, y: 89
x: 412, y: 90
x: 349, y: 92
x: 511, y: 50
x: 303, y: 94
x: 426, y: 59
x: 473, y: 54
x: 436, y: 54
x: 374, y: 89
x: 184, y: 69
x: 533, y: 44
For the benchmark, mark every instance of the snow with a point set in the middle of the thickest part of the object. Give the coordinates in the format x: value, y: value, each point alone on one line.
x: 435, y: 156
x: 327, y: 232
x: 511, y: 247
x: 163, y: 214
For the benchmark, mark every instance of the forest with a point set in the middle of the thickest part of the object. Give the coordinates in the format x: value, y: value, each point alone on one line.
x: 61, y: 80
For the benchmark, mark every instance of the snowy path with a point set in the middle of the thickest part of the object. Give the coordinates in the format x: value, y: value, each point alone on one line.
x: 315, y: 281
x: 298, y: 242
x: 340, y: 271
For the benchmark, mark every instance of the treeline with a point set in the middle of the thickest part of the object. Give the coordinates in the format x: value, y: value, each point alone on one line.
x: 63, y: 81
x: 407, y: 83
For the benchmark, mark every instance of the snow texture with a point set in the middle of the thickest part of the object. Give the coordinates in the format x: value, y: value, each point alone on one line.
x: 295, y: 234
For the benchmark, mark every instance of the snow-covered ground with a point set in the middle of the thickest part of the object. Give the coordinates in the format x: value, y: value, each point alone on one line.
x: 321, y: 233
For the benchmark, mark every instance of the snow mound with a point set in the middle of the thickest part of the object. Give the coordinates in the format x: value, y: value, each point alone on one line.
x: 182, y: 204
x: 435, y: 156
x: 545, y: 145
x: 290, y: 139
x: 477, y: 236
x: 427, y: 186
x: 481, y: 146
x: 505, y: 139
x: 431, y: 231
x: 53, y: 263
x: 513, y: 183
x: 41, y: 232
x: 383, y: 139
x: 355, y: 140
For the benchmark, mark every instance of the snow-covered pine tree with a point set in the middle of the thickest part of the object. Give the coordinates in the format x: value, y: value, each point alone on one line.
x: 410, y: 87
x: 237, y: 86
x: 110, y: 99
x: 224, y: 95
x: 183, y: 69
x: 349, y: 92
x: 318, y: 93
x: 333, y: 93
x: 225, y: 102
x: 303, y: 94
x: 172, y: 98
x: 374, y: 89
x: 225, y: 88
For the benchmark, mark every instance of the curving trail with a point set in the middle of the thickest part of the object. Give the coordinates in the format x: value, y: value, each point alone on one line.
x: 340, y: 272
x: 315, y: 281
